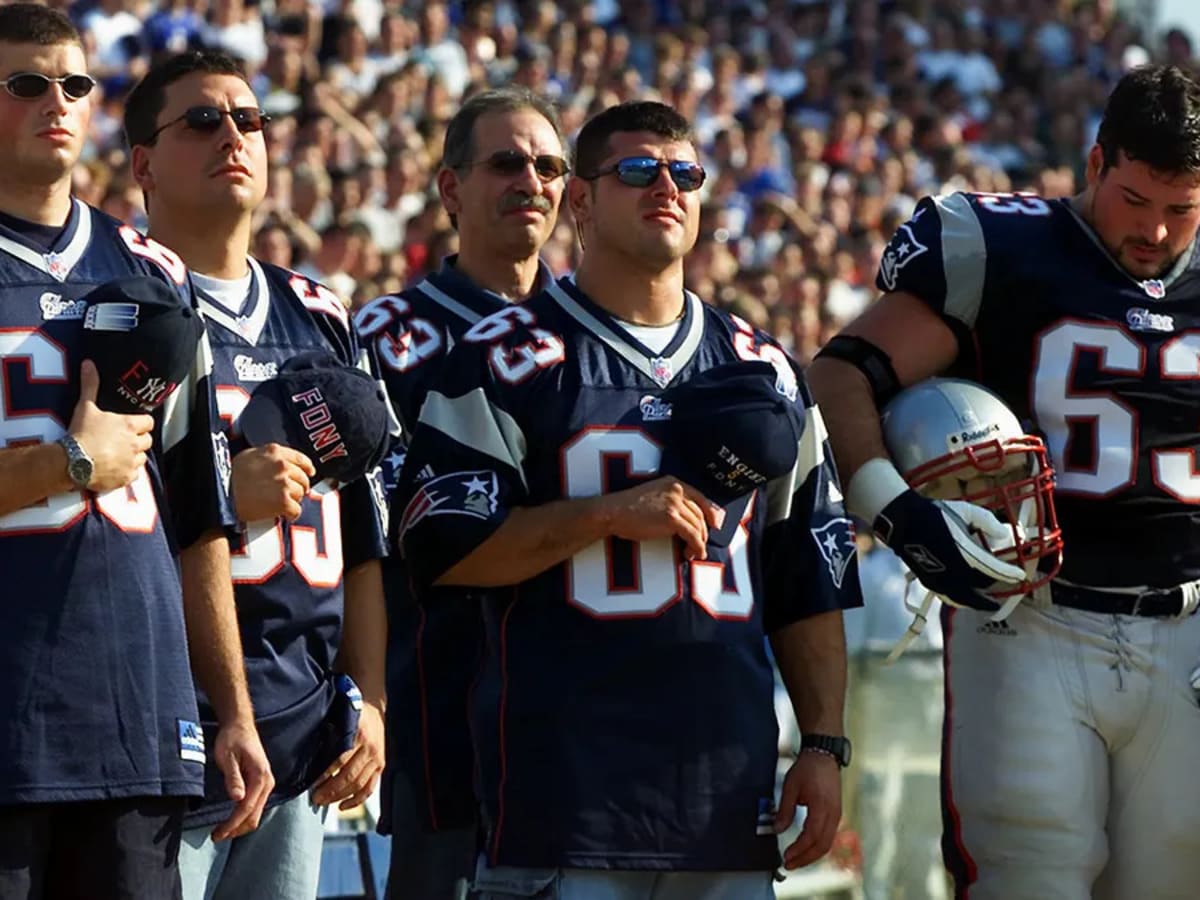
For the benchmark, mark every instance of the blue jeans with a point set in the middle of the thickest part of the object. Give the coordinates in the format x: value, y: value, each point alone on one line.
x: 280, y: 860
x: 508, y: 882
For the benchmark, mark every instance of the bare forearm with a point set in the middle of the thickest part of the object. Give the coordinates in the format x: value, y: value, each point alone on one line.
x: 530, y: 541
x: 214, y: 643
x: 811, y: 655
x: 363, y: 651
x: 849, y: 411
x: 29, y: 475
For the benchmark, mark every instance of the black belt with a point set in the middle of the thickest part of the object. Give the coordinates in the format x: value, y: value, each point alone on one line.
x: 1156, y: 603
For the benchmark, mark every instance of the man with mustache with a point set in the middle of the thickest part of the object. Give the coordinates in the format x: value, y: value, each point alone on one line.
x: 501, y: 179
x: 305, y: 564
x: 1070, y: 733
x: 624, y: 715
x: 102, y: 516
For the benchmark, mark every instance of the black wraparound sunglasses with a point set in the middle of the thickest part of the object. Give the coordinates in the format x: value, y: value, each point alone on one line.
x: 31, y: 85
x: 642, y: 171
x: 513, y: 162
x: 207, y: 119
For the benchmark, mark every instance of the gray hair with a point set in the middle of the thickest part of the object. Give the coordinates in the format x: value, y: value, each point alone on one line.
x: 459, y: 143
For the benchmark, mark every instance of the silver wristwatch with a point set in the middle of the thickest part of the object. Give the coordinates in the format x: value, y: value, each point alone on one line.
x: 79, y: 464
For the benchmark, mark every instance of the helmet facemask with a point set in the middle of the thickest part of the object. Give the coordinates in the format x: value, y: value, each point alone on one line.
x: 1011, y: 478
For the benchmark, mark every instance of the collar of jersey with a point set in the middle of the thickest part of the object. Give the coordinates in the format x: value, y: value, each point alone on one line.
x: 604, y: 326
x: 249, y: 325
x: 69, y: 247
x: 462, y: 297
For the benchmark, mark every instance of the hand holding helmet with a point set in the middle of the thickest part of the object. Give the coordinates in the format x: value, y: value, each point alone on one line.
x: 934, y: 537
x: 968, y: 502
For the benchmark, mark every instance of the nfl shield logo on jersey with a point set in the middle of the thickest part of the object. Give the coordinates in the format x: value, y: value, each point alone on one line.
x: 661, y: 370
x: 57, y: 266
x: 835, y: 539
x: 1154, y: 288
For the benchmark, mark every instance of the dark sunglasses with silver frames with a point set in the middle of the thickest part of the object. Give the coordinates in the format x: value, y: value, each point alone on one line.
x: 207, y: 119
x: 513, y: 162
x: 31, y: 85
x: 642, y: 171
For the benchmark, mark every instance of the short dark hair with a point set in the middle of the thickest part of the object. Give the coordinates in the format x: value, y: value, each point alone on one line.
x: 32, y: 23
x: 148, y: 98
x: 591, y: 147
x: 1153, y: 116
x: 458, y: 148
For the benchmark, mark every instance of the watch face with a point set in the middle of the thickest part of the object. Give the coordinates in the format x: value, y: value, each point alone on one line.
x: 80, y: 471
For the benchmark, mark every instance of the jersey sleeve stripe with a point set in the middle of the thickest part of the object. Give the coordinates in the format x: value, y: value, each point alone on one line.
x: 177, y: 410
x: 473, y: 421
x: 964, y: 257
x: 810, y: 456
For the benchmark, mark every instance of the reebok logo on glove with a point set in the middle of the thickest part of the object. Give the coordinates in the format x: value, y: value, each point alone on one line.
x: 925, y: 560
x: 935, y: 538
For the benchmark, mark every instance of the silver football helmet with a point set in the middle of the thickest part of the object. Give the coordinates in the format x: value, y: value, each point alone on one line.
x: 956, y: 440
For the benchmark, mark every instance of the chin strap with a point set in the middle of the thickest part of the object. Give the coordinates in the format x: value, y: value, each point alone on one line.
x: 921, y: 613
x: 920, y: 618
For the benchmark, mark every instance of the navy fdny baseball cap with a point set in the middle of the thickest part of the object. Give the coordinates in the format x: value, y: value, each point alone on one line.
x: 142, y: 336
x: 334, y: 414
x: 731, y: 429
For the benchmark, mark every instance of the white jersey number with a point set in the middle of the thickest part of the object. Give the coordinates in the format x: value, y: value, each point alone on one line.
x: 659, y: 581
x: 1060, y: 407
x: 416, y: 341
x: 130, y: 508
x: 263, y: 552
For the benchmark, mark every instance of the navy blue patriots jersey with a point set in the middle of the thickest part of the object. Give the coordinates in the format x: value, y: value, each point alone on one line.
x: 287, y: 575
x: 1105, y: 367
x: 435, y: 640
x: 624, y: 716
x: 98, y: 699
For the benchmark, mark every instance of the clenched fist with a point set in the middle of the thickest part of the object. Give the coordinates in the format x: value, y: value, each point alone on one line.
x: 270, y: 482
x: 117, y: 443
x: 664, y: 507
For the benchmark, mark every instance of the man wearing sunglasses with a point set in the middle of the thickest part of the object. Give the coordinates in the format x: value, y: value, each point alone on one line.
x: 502, y: 177
x: 98, y: 715
x: 305, y: 563
x: 623, y: 717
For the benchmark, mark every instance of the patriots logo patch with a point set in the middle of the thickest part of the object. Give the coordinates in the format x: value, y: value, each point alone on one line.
x: 902, y: 250
x: 391, y: 466
x: 835, y: 540
x: 222, y: 458
x: 379, y: 495
x: 471, y: 494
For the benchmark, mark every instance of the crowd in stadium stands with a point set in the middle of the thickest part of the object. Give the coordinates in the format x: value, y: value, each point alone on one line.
x: 821, y: 121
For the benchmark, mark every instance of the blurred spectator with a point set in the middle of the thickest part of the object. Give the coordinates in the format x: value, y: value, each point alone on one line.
x: 174, y: 28
x: 820, y: 123
x: 113, y: 36
x: 237, y: 28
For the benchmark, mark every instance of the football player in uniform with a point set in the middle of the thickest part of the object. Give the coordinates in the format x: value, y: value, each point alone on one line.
x: 502, y: 178
x: 98, y: 714
x: 623, y: 719
x: 1069, y: 733
x: 199, y: 156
